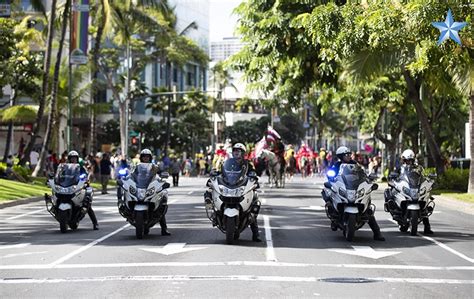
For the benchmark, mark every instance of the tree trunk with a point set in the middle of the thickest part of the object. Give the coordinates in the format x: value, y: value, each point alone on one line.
x: 13, y: 97
x: 54, y: 95
x: 44, y: 91
x: 95, y: 74
x: 123, y: 131
x: 470, y: 188
x: 413, y: 86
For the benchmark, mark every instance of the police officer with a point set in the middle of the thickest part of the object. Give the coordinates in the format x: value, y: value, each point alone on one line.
x: 73, y: 158
x: 343, y: 154
x: 147, y: 157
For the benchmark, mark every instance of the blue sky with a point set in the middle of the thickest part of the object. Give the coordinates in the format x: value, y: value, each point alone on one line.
x: 222, y: 22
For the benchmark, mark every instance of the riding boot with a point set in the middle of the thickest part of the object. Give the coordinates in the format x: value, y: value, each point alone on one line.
x: 164, y: 227
x: 91, y: 214
x: 255, y: 233
x: 426, y: 223
x: 375, y: 229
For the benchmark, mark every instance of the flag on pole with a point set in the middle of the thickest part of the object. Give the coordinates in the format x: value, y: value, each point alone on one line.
x: 271, y: 131
x: 79, y: 32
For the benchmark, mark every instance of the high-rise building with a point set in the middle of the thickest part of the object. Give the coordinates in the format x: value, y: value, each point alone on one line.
x: 222, y: 50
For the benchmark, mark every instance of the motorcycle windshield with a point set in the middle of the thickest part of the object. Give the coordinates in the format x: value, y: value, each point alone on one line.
x: 414, y: 176
x: 67, y: 175
x: 143, y: 174
x: 232, y: 172
x: 353, y: 175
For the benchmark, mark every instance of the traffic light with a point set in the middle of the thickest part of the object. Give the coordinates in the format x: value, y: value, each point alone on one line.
x: 134, y: 140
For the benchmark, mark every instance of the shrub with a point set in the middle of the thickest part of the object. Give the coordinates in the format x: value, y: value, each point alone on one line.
x: 452, y: 179
x: 22, y: 171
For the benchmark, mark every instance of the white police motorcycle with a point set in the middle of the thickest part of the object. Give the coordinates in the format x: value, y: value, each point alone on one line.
x: 145, y: 197
x: 408, y: 198
x: 71, y: 197
x: 232, y: 202
x: 347, y: 195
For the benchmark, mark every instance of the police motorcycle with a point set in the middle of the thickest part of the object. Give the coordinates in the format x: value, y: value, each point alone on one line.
x: 348, y: 198
x: 71, y: 196
x: 145, y: 197
x: 408, y: 198
x: 231, y: 203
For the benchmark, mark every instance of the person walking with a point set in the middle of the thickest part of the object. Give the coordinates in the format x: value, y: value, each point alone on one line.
x: 175, y: 169
x: 105, y: 170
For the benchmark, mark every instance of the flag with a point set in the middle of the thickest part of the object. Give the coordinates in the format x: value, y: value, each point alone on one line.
x: 79, y: 32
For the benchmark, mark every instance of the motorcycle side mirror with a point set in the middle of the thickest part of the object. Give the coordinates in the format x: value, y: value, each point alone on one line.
x: 327, y: 185
x: 375, y: 187
x: 215, y: 173
x: 50, y: 175
x: 166, y: 185
x: 372, y: 177
x: 164, y: 175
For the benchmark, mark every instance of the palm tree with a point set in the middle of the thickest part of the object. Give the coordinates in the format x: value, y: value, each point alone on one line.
x: 52, y: 103
x: 44, y: 90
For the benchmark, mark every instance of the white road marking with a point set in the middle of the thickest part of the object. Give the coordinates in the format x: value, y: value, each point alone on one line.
x: 471, y: 260
x: 270, y: 252
x: 21, y: 245
x: 26, y: 214
x: 263, y: 200
x: 234, y: 264
x: 172, y: 248
x: 22, y: 254
x: 316, y: 208
x: 234, y: 278
x: 84, y: 248
x: 190, y: 192
x: 366, y: 251
x: 199, y: 207
x: 448, y: 248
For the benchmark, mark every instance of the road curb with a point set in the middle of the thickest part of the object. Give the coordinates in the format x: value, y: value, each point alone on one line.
x: 22, y: 201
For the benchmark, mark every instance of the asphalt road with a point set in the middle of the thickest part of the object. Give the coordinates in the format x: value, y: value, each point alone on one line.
x: 299, y: 257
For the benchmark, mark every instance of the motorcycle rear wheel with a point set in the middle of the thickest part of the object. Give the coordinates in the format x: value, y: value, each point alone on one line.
x: 139, y: 224
x: 230, y: 230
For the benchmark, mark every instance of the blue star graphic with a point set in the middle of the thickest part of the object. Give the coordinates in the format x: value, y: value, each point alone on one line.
x: 449, y: 29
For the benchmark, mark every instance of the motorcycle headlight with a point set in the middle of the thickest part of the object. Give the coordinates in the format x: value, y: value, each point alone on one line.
x: 141, y: 193
x: 237, y: 192
x: 150, y: 192
x: 360, y: 193
x: 406, y: 191
x: 342, y: 193
x: 132, y: 190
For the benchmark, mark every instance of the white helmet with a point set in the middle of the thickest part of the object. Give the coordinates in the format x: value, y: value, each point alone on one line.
x: 72, y: 154
x: 146, y: 152
x: 341, y: 151
x: 240, y: 146
x: 408, y: 155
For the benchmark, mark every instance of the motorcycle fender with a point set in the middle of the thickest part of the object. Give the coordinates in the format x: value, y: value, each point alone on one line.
x: 231, y: 212
x: 65, y: 206
x: 413, y: 207
x: 351, y: 210
x: 141, y: 208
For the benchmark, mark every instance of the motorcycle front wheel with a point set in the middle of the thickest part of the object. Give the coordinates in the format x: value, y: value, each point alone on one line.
x: 63, y: 218
x: 414, y: 222
x: 229, y: 230
x: 139, y: 224
x: 350, y: 227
